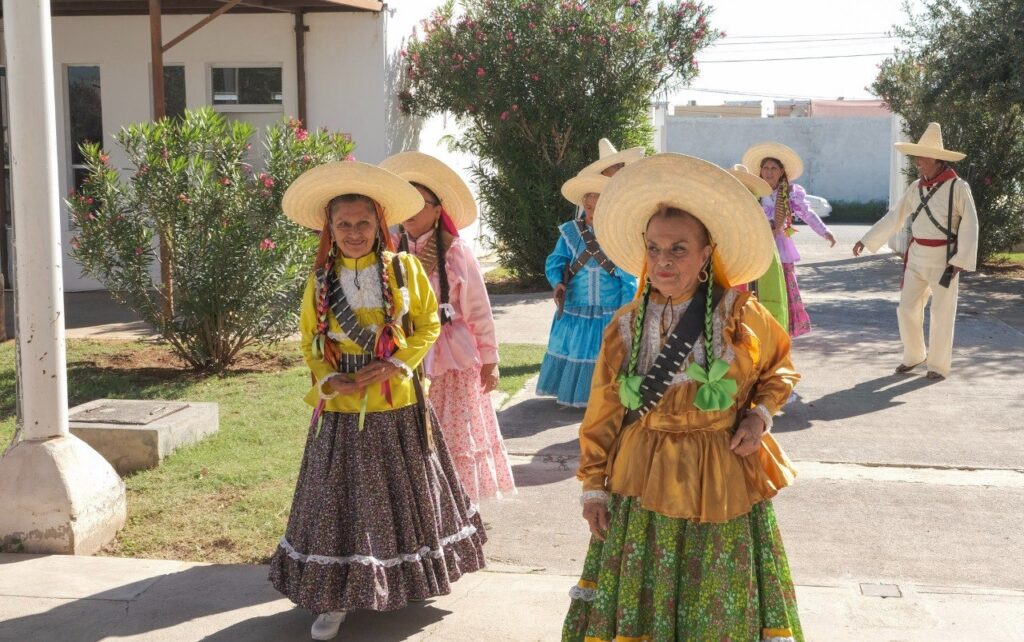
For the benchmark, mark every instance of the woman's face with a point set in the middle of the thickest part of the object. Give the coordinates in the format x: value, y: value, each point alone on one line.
x: 426, y: 218
x: 676, y: 252
x: 772, y: 172
x: 354, y: 228
x: 589, y: 205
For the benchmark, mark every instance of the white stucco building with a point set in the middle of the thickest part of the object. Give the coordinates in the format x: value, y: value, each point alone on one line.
x: 245, y: 63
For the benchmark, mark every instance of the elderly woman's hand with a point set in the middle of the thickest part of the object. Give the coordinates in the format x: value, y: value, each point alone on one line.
x: 375, y: 372
x: 747, y: 439
x: 596, y: 514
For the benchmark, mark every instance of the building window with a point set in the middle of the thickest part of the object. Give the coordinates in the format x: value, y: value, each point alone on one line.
x: 85, y: 116
x: 174, y: 91
x: 246, y: 86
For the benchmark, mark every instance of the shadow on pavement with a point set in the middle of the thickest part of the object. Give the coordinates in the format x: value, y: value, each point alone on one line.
x: 536, y: 415
x: 862, y: 399
x: 549, y: 465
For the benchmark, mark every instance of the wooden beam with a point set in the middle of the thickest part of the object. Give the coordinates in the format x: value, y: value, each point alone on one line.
x: 159, y: 111
x: 202, y: 23
x: 300, y: 63
x: 369, y: 5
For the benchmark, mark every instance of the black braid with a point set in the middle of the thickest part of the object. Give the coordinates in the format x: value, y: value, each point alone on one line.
x: 442, y: 274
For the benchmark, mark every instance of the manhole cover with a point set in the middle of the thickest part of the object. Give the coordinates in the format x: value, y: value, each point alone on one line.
x: 137, y: 413
x: 880, y: 590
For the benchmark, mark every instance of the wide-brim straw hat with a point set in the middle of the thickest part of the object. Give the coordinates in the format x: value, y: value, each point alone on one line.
x: 930, y: 146
x: 577, y: 187
x: 305, y: 201
x: 439, y: 178
x: 791, y: 161
x: 743, y: 241
x: 608, y: 156
x: 757, y: 185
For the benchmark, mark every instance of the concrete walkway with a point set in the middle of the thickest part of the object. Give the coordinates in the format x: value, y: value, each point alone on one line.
x: 903, y: 525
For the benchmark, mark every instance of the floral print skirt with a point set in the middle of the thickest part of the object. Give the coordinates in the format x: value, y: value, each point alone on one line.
x: 662, y: 579
x: 377, y: 520
x: 470, y: 426
x: 799, y: 320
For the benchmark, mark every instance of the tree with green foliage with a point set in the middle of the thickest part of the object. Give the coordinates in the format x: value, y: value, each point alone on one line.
x: 535, y: 84
x: 962, y: 65
x: 238, y: 264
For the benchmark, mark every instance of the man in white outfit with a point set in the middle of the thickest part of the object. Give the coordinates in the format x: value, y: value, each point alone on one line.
x: 944, y: 241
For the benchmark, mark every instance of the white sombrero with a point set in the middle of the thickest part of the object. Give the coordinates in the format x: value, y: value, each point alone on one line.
x: 305, y: 201
x: 744, y: 244
x: 930, y: 146
x: 757, y: 185
x: 791, y: 161
x: 607, y: 156
x: 580, y: 185
x: 417, y: 167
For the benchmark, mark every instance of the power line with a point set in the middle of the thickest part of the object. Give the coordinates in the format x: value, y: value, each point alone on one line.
x: 810, y: 35
x: 864, y: 55
x: 798, y: 42
x: 762, y: 94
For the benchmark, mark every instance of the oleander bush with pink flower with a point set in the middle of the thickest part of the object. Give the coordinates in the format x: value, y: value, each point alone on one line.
x: 536, y: 83
x: 197, y: 191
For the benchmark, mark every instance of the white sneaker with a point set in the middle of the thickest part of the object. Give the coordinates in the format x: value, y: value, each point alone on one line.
x: 326, y: 625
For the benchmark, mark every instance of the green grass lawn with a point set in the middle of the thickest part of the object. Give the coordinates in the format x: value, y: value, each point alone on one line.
x: 225, y: 499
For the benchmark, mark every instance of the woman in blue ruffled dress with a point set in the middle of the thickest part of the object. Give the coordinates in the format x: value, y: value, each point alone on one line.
x: 588, y: 288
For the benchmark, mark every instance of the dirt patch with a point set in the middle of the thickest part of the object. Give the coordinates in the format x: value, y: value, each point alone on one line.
x: 1007, y: 270
x: 157, y: 358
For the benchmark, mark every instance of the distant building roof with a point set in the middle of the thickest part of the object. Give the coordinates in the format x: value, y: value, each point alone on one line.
x: 849, y: 109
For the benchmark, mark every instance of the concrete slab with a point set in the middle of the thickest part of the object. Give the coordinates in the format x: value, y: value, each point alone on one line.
x: 136, y: 435
x: 96, y: 578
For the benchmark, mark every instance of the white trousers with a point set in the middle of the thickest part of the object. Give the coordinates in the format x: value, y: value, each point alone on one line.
x: 918, y: 284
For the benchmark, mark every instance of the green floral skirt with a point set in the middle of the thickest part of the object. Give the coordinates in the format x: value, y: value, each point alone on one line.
x: 661, y: 579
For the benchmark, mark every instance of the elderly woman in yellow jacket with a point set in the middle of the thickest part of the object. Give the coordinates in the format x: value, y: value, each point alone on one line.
x: 677, y: 463
x: 379, y: 517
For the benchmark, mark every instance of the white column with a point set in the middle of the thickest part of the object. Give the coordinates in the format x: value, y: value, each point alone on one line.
x: 57, y: 495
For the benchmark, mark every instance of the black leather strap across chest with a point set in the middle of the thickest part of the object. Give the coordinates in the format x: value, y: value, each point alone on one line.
x: 676, y: 350
x: 591, y: 250
x: 365, y: 338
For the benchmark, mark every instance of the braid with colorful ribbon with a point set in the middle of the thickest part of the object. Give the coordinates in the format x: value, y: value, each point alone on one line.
x: 715, y: 391
x: 783, y: 212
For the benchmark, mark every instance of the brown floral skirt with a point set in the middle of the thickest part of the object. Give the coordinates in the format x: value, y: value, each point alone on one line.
x: 376, y: 520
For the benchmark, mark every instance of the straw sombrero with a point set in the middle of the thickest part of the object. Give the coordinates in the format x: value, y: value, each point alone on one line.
x: 757, y: 185
x: 930, y: 146
x: 417, y: 167
x: 607, y: 156
x: 744, y: 244
x: 580, y: 185
x: 790, y: 160
x: 305, y: 201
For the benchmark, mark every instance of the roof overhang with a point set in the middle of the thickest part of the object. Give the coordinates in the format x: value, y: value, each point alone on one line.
x: 169, y: 7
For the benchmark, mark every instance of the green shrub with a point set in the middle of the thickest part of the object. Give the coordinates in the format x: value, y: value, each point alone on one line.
x: 536, y: 83
x: 237, y: 264
x: 857, y: 211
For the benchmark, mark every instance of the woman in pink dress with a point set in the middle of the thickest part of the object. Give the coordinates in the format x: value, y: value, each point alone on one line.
x: 779, y: 166
x: 463, y: 364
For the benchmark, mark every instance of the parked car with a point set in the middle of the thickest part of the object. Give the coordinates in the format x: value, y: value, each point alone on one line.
x: 818, y: 205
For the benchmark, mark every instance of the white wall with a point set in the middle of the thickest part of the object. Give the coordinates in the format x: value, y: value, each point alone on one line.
x: 844, y: 158
x: 344, y: 76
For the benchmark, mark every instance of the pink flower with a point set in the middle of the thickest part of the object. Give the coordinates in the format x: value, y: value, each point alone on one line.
x: 89, y: 216
x: 534, y: 77
x: 301, y: 134
x: 571, y: 28
x: 480, y: 72
x: 630, y: 28
x: 89, y: 200
x: 515, y: 107
x: 402, y: 53
x: 225, y: 181
x: 532, y: 26
x: 75, y: 243
x: 138, y: 251
x: 602, y: 40
x: 350, y: 157
x: 267, y: 180
x: 184, y: 199
x: 509, y: 35
x: 504, y: 115
x: 267, y: 244
x: 987, y: 180
x: 614, y: 27
x: 306, y: 158
x: 104, y: 158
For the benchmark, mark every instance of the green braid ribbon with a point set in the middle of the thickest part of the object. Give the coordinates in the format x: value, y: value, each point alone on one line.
x: 716, y: 392
x: 629, y: 383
